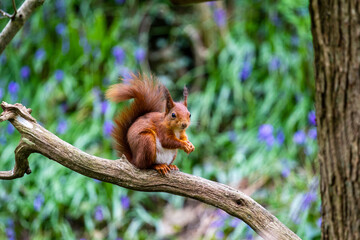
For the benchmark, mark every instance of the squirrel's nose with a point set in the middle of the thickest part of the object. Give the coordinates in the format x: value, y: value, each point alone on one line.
x: 184, y: 125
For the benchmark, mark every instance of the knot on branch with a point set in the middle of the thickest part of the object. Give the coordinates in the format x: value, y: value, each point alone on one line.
x: 240, y: 202
x: 12, y: 110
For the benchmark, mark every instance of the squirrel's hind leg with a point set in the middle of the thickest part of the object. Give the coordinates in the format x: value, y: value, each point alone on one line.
x: 145, y: 155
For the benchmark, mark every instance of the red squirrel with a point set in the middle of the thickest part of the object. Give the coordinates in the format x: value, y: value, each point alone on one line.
x: 151, y: 129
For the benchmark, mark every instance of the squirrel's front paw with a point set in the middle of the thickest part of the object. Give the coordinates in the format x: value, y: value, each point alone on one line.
x: 188, y: 147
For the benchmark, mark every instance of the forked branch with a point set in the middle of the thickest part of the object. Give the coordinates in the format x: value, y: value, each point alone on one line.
x: 17, y: 20
x: 35, y: 138
x: 5, y: 14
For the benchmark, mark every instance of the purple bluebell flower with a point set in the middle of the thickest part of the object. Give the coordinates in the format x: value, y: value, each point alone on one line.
x: 99, y: 216
x: 108, y: 126
x: 218, y: 223
x: 10, y: 233
x: 318, y: 222
x: 221, y: 213
x: 96, y: 180
x: 119, y: 54
x: 219, y: 234
x: 309, y: 198
x: 1, y: 93
x: 118, y: 238
x: 246, y: 71
x: 312, y: 133
x: 220, y: 17
x: 62, y: 126
x: 285, y: 172
x: 60, y: 8
x: 280, y: 137
x: 311, y: 195
x: 299, y: 137
x: 140, y: 54
x: 60, y: 29
x: 125, y: 202
x: 104, y: 106
x: 220, y: 220
x: 270, y: 141
x: 59, y: 75
x: 249, y: 233
x: 274, y: 64
x: 265, y: 134
x: 232, y: 135
x: 119, y: 2
x: 265, y: 130
x: 13, y: 89
x: 10, y: 129
x: 25, y: 72
x: 295, y: 218
x: 38, y: 202
x: 235, y: 222
x: 10, y: 223
x: 312, y: 118
x: 275, y: 19
x: 40, y: 54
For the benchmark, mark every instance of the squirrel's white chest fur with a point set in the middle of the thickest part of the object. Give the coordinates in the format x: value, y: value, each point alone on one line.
x: 164, y: 155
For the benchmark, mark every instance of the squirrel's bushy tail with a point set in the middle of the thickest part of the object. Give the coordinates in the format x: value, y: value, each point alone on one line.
x: 148, y: 97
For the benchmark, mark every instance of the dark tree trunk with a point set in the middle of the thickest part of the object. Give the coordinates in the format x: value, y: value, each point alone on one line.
x: 336, y: 38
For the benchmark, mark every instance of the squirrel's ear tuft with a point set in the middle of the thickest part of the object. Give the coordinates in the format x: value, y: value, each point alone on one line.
x: 169, y: 101
x: 185, y: 93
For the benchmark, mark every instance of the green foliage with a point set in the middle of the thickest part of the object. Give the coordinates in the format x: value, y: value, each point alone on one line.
x: 250, y: 75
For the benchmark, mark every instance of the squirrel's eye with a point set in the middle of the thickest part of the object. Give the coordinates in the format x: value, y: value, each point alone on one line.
x: 173, y: 115
x: 190, y: 115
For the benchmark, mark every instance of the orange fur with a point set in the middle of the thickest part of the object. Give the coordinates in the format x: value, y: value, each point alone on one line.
x: 144, y: 124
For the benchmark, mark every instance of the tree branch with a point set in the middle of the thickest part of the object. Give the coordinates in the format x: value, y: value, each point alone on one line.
x: 18, y: 19
x: 5, y: 14
x: 35, y: 138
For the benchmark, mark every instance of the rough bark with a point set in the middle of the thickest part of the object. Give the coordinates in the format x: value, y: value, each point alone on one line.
x: 336, y: 38
x: 35, y: 138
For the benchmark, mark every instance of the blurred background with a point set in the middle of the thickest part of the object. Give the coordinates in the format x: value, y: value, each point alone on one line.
x: 249, y: 67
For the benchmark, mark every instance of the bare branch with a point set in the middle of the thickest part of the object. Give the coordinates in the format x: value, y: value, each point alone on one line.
x: 5, y: 14
x: 35, y: 138
x: 18, y: 19
x: 21, y: 167
x: 14, y: 6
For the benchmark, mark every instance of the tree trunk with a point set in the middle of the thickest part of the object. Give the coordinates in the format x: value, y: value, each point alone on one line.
x: 336, y: 37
